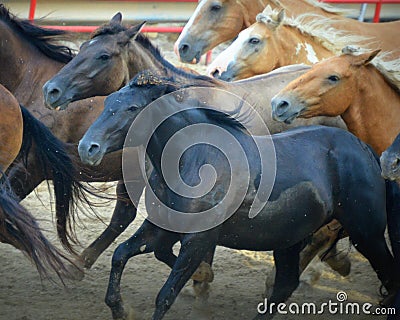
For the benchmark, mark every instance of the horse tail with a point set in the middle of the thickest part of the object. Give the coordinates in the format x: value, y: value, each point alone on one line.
x: 20, y: 229
x: 393, y: 218
x: 57, y: 164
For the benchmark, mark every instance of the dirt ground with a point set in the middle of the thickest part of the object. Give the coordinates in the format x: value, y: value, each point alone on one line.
x: 234, y: 294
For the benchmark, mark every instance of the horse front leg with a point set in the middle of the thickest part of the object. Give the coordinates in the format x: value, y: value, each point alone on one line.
x: 124, y: 213
x: 194, y: 248
x: 145, y: 240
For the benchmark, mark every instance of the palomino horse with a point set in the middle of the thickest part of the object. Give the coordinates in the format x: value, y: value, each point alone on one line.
x: 275, y: 40
x: 17, y: 226
x: 365, y: 95
x: 215, y: 22
x: 339, y: 178
x: 31, y: 57
x: 87, y: 75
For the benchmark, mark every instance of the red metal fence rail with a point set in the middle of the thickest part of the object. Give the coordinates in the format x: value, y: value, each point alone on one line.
x: 378, y: 5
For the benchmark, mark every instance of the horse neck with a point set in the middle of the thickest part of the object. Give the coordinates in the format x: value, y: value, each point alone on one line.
x: 140, y: 58
x: 250, y: 9
x: 25, y: 68
x: 292, y: 47
x: 297, y: 7
x: 374, y: 116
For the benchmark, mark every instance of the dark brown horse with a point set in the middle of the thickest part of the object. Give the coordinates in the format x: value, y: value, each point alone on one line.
x: 17, y: 226
x: 10, y: 128
x: 31, y: 57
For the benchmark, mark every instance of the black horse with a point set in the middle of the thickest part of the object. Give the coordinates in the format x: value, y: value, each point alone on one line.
x: 340, y: 178
x: 390, y: 161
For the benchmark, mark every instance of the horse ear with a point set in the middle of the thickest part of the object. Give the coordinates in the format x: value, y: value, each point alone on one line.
x: 267, y: 10
x: 133, y: 32
x: 281, y: 16
x: 117, y: 19
x: 270, y: 17
x: 365, y: 58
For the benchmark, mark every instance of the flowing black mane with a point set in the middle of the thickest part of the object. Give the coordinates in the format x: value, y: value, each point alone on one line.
x: 155, y: 51
x: 46, y: 40
x: 147, y: 79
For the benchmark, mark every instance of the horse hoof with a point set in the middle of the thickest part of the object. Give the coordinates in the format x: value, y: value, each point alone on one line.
x: 388, y: 300
x: 203, y: 273
x: 341, y: 264
x: 313, y: 275
x: 201, y: 290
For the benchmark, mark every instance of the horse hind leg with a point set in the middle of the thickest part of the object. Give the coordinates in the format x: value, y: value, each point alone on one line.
x: 367, y: 236
x: 287, y: 262
x: 321, y: 240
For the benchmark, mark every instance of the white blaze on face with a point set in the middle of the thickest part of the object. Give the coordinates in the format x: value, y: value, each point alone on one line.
x: 221, y: 62
x: 187, y: 26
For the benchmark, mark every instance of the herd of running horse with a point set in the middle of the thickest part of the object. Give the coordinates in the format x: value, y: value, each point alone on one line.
x: 326, y: 86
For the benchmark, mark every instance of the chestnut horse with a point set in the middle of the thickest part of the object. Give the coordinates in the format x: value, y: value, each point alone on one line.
x: 366, y: 96
x: 17, y: 226
x: 215, y: 22
x: 31, y: 57
x: 275, y: 40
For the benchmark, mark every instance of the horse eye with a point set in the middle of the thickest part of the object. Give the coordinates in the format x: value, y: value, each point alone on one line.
x: 133, y: 108
x: 254, y: 40
x: 104, y: 57
x: 333, y: 78
x: 216, y: 7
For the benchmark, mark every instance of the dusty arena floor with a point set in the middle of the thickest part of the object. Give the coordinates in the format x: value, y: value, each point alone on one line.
x: 234, y: 294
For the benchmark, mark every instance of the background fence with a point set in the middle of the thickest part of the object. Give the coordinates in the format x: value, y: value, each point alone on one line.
x: 165, y: 12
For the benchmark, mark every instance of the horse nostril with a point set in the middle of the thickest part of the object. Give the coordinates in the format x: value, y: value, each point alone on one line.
x: 396, y: 163
x: 184, y: 48
x: 281, y: 107
x: 93, y: 149
x: 215, y: 74
x: 52, y: 93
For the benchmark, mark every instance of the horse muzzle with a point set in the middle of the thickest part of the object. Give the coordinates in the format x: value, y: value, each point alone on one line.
x: 390, y: 164
x: 283, y: 110
x: 54, y: 97
x: 90, y: 152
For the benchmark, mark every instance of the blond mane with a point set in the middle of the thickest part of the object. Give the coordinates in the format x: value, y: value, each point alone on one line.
x: 390, y: 69
x: 322, y: 30
x: 324, y: 6
x: 331, y: 9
